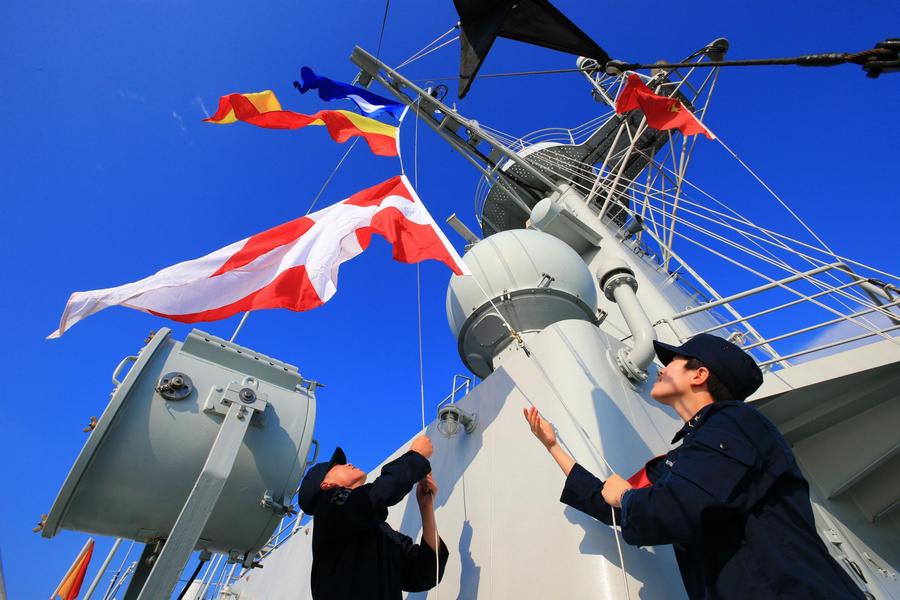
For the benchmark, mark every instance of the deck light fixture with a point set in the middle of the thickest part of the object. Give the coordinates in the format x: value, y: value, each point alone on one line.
x: 451, y: 417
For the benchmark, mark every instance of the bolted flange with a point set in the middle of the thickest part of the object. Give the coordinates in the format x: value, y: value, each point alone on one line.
x: 613, y: 280
x: 628, y: 368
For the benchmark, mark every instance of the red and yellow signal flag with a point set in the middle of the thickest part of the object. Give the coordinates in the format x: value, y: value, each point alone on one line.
x: 71, y: 584
x: 264, y: 110
x: 662, y: 112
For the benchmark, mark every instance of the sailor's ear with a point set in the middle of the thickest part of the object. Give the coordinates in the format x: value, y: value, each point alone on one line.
x: 327, y: 485
x: 700, y: 376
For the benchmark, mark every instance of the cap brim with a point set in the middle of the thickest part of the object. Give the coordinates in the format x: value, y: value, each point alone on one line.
x: 309, y: 492
x: 665, y: 352
x: 337, y: 458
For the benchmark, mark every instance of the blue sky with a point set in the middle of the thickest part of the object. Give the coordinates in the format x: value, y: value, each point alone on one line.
x: 109, y: 175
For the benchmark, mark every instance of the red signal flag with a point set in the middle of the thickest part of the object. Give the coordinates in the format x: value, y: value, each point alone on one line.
x: 662, y: 112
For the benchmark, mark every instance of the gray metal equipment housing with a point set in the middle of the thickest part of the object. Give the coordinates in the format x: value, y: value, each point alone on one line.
x: 142, y: 461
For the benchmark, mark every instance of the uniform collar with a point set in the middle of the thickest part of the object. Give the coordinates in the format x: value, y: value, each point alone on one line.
x: 700, y: 417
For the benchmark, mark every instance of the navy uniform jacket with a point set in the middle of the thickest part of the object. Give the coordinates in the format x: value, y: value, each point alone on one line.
x: 356, y: 555
x: 733, y: 503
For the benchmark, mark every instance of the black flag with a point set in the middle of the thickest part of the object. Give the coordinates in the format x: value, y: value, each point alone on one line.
x: 531, y: 21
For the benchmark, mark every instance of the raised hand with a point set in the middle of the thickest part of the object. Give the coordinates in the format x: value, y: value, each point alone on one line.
x: 426, y: 490
x: 541, y: 429
x: 422, y: 445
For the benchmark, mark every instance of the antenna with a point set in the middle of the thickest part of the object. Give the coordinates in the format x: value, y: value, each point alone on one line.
x: 460, y: 228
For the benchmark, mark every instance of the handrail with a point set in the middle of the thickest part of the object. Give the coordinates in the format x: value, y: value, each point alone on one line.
x: 756, y: 290
x: 451, y: 398
x: 829, y: 345
x: 809, y: 328
x: 881, y: 303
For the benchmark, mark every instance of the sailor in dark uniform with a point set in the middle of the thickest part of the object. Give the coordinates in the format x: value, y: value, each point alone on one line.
x: 730, y: 499
x: 356, y: 554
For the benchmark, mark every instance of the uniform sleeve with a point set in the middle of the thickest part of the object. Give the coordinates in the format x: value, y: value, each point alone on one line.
x: 396, y: 480
x: 419, y: 566
x: 582, y: 492
x: 707, y: 483
x: 363, y: 507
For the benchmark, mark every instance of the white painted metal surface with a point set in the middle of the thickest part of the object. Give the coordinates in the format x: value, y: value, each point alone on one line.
x: 498, y: 508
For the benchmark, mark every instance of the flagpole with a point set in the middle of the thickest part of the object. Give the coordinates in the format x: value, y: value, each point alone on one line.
x: 72, y: 578
x: 100, y: 573
x: 237, y: 329
x: 2, y: 581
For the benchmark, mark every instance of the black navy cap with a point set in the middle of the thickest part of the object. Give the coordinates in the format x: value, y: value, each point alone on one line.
x: 731, y: 365
x: 309, y: 492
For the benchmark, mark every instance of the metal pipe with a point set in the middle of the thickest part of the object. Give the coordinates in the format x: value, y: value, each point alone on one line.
x: 643, y: 335
x: 229, y: 579
x: 102, y: 571
x: 621, y: 166
x: 115, y: 577
x: 208, y: 576
x: 132, y: 567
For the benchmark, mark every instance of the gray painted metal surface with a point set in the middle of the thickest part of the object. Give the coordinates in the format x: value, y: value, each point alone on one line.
x: 201, y: 501
x: 140, y: 463
x: 532, y: 279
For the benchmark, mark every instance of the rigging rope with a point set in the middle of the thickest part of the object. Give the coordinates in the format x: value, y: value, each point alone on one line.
x: 774, y: 260
x: 884, y: 58
x: 419, y: 276
x: 597, y: 453
x: 437, y: 539
x: 424, y: 54
x: 387, y: 4
x: 425, y: 50
x: 334, y: 171
x: 568, y: 170
x: 854, y: 295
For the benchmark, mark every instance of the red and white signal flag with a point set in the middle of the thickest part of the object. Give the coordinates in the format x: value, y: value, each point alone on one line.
x: 293, y: 266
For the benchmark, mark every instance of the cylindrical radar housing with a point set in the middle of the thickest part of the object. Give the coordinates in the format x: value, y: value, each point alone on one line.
x: 533, y: 279
x: 142, y: 459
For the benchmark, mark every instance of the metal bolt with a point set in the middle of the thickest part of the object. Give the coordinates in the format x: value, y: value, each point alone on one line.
x: 176, y: 383
x: 247, y: 396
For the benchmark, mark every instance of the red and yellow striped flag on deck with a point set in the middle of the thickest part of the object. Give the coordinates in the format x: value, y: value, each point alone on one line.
x: 71, y: 584
x: 263, y: 110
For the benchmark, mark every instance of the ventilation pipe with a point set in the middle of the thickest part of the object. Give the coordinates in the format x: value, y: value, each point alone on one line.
x: 618, y: 284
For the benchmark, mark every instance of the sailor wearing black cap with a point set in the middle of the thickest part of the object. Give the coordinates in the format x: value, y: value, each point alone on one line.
x: 730, y: 499
x: 356, y: 554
